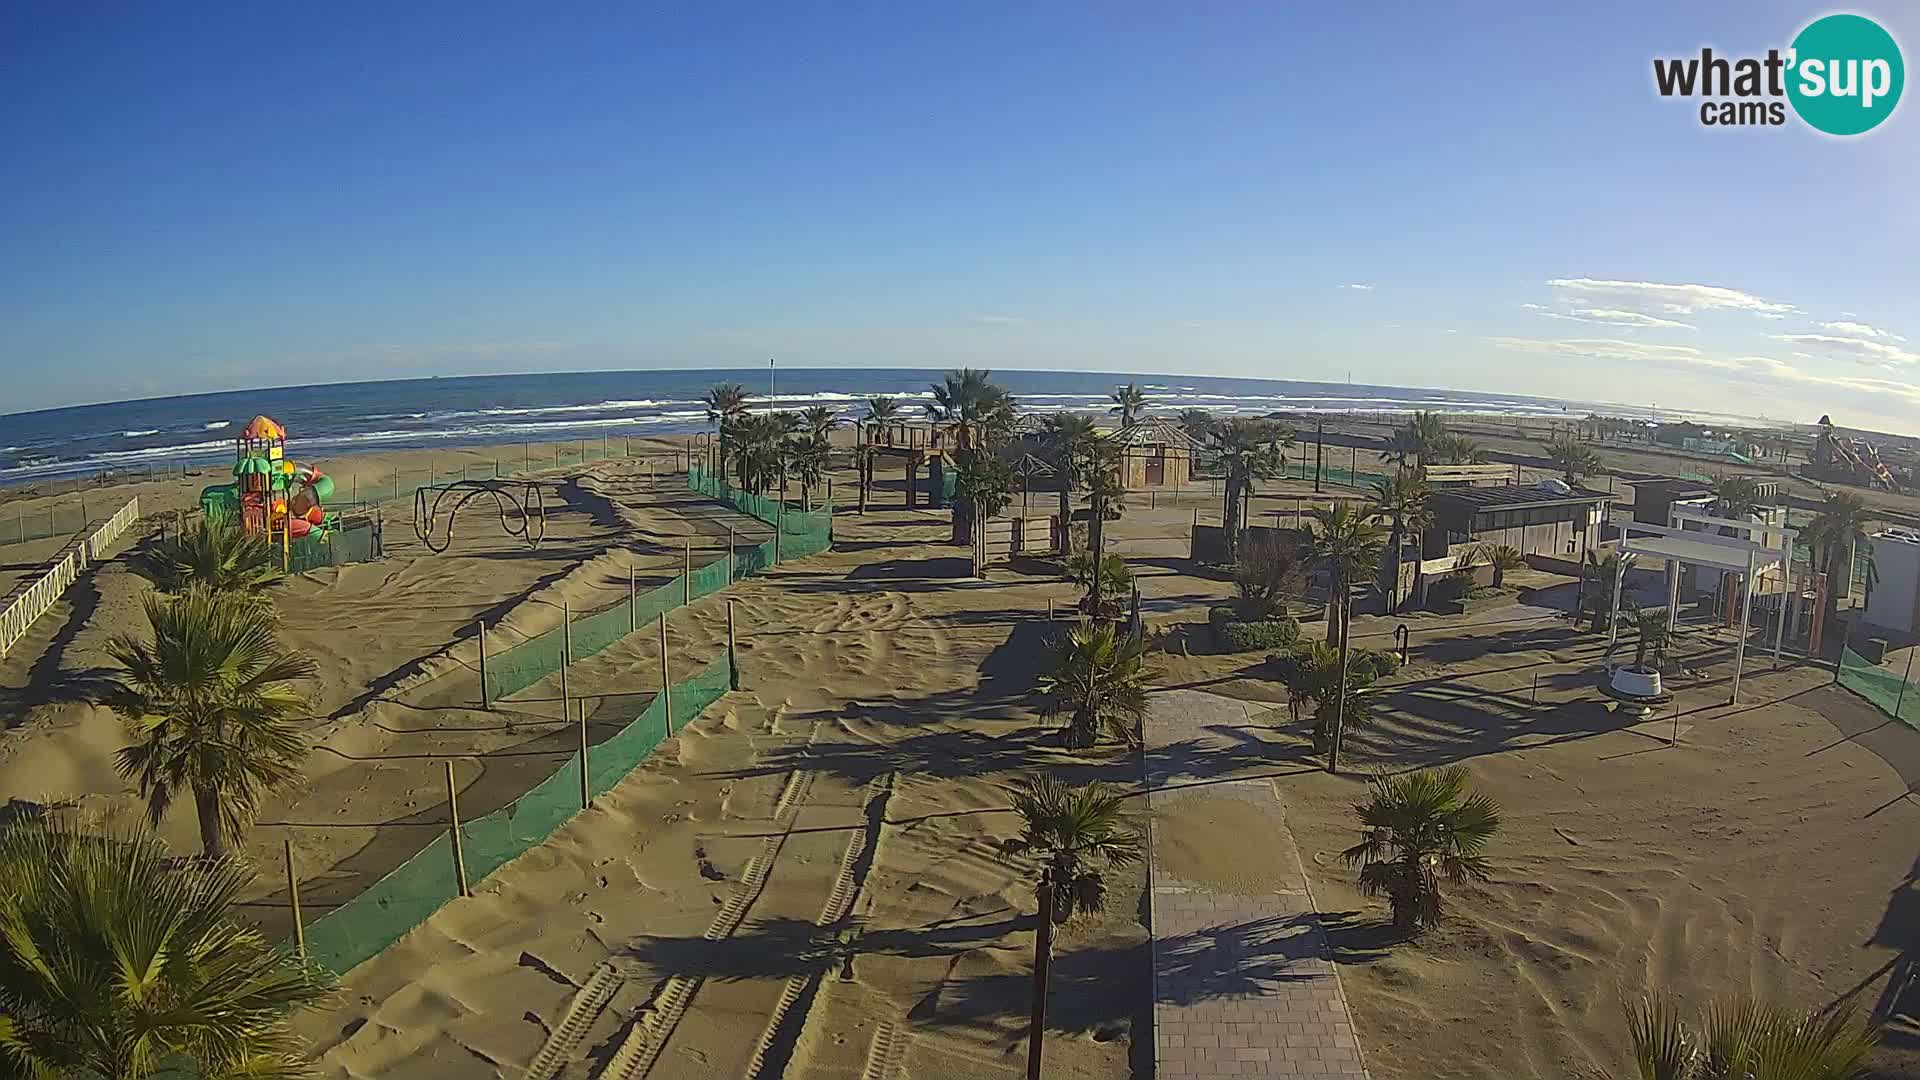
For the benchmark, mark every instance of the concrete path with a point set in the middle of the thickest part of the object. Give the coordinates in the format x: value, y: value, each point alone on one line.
x: 1244, y: 983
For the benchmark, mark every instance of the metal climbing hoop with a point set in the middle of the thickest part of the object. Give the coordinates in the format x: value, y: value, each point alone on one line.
x: 524, y: 498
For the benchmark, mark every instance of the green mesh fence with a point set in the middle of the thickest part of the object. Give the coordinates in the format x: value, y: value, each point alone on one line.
x: 1889, y: 692
x: 404, y: 898
x: 801, y: 534
x: 57, y: 519
x: 358, y: 541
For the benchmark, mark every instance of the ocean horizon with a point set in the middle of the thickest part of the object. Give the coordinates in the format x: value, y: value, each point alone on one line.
x: 410, y: 414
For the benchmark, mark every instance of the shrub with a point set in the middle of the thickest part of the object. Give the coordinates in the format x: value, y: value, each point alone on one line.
x: 1233, y: 631
x: 1451, y: 588
x: 1269, y: 569
x: 1382, y: 662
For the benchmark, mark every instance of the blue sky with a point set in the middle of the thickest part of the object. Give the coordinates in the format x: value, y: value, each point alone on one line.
x: 216, y: 198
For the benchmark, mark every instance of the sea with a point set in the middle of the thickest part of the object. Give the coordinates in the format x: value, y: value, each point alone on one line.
x: 346, y: 418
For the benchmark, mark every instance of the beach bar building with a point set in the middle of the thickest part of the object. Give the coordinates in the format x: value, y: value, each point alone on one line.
x: 1155, y: 452
x: 1549, y: 518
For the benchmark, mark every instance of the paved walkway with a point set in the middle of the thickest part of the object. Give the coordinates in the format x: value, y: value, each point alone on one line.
x: 1243, y: 978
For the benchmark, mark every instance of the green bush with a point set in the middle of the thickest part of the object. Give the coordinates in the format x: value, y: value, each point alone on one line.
x: 1450, y: 589
x: 1233, y: 632
x: 1382, y: 662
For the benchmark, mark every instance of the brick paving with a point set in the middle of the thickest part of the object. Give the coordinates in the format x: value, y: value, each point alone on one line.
x: 1243, y: 985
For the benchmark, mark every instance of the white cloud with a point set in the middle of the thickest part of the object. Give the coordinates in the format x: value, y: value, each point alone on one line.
x: 1748, y: 368
x: 1362, y: 286
x: 1000, y: 320
x: 1607, y: 349
x: 1860, y: 329
x: 1658, y: 298
x: 1609, y: 317
x: 1852, y: 348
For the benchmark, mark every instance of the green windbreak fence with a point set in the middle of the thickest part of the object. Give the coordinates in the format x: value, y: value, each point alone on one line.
x: 404, y: 898
x: 801, y: 534
x: 1888, y: 691
x: 358, y: 541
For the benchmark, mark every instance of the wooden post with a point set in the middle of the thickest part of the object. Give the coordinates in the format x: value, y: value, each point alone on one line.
x: 666, y: 683
x: 1536, y: 688
x: 586, y: 794
x: 396, y: 483
x: 1674, y: 739
x: 526, y: 457
x: 686, y: 576
x: 733, y: 657
x: 453, y: 832
x: 632, y: 606
x: 293, y: 896
x: 1193, y: 534
x: 485, y: 701
x: 730, y: 577
x: 566, y: 656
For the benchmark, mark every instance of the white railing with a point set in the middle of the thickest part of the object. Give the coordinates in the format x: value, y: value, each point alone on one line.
x: 33, y: 599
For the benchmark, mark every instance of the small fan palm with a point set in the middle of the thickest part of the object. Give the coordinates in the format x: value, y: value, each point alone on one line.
x: 1504, y: 558
x: 116, y: 961
x: 1346, y: 541
x: 213, y: 554
x: 819, y: 420
x: 1246, y: 450
x: 211, y: 705
x: 1099, y: 678
x: 807, y: 457
x: 1421, y: 829
x: 1745, y: 1040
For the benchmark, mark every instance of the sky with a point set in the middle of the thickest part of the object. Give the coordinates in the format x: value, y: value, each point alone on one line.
x: 203, y: 197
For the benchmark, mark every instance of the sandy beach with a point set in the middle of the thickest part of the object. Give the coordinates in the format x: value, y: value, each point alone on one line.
x: 806, y: 881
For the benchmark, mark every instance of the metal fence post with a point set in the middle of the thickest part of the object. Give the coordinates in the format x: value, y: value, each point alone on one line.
x: 686, y: 576
x: 632, y: 609
x: 586, y: 790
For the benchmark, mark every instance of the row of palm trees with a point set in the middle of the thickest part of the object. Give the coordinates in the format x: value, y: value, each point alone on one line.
x: 117, y: 960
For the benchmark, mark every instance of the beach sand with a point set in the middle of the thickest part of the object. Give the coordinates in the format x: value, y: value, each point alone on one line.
x: 806, y: 882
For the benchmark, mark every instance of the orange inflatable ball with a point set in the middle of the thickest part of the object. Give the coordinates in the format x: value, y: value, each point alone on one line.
x: 298, y: 527
x: 315, y: 515
x: 279, y: 506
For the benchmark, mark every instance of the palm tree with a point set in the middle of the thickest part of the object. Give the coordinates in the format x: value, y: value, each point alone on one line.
x: 1349, y: 544
x: 1402, y: 499
x: 117, y: 961
x: 985, y: 484
x: 1653, y: 627
x: 210, y: 704
x: 1116, y: 578
x: 759, y: 450
x: 1198, y: 423
x: 1746, y: 1040
x: 1246, y: 449
x: 1069, y: 439
x: 1736, y: 497
x: 972, y: 406
x: 216, y: 554
x: 807, y: 457
x: 1311, y: 672
x: 1597, y: 581
x: 881, y: 411
x: 1419, y: 829
x: 1835, y: 534
x: 1099, y: 677
x: 1403, y: 447
x: 1105, y: 495
x: 726, y: 404
x: 1504, y: 558
x: 1129, y: 402
x: 1452, y: 449
x: 819, y: 420
x: 1574, y: 459
x: 1075, y: 834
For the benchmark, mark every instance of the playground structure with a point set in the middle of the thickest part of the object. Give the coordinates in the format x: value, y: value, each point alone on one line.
x: 524, y: 498
x: 271, y: 493
x: 1841, y: 457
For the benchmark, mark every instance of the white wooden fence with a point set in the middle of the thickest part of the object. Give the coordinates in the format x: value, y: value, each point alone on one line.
x: 32, y: 599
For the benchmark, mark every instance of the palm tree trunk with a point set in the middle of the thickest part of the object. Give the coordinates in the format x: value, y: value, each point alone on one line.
x: 1393, y: 562
x: 1042, y: 958
x: 1340, y: 702
x: 206, y: 803
x: 1097, y: 530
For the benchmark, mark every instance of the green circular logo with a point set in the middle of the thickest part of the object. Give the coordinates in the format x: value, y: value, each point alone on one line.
x: 1845, y: 75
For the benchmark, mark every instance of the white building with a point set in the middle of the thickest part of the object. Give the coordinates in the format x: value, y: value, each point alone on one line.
x: 1894, y: 603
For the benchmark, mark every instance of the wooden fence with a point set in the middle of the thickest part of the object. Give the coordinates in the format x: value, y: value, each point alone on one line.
x: 34, y: 598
